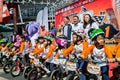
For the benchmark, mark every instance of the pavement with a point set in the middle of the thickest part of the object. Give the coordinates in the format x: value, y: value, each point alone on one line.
x: 4, y: 76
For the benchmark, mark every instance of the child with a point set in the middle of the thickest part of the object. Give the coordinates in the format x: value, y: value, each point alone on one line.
x: 2, y: 50
x: 40, y: 44
x: 79, y: 47
x: 99, y: 51
x: 47, y: 54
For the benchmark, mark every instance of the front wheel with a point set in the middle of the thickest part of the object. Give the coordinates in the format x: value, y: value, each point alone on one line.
x: 26, y: 71
x: 15, y: 70
x: 56, y: 75
x: 32, y: 75
x: 92, y: 77
x: 7, y: 67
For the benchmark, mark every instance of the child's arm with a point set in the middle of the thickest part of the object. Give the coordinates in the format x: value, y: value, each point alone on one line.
x: 54, y: 43
x: 38, y: 51
x: 49, y: 54
x: 68, y: 50
x: 117, y: 50
x: 87, y: 51
x: 57, y: 55
x: 85, y: 45
x: 22, y: 47
x: 109, y: 54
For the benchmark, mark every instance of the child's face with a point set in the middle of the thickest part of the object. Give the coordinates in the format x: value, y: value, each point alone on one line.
x: 48, y: 42
x: 74, y: 38
x: 41, y: 40
x: 79, y: 38
x: 100, y: 40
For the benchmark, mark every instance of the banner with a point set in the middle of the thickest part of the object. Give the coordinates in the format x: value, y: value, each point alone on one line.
x: 116, y: 8
x: 1, y: 9
x: 101, y: 10
x: 105, y: 12
x: 45, y: 18
x: 5, y: 11
x: 39, y: 18
x: 42, y: 17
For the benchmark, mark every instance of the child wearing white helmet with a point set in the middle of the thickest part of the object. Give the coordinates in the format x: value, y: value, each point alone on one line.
x: 79, y: 46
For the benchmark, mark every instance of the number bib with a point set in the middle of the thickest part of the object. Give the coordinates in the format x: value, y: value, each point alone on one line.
x: 71, y: 66
x: 93, y: 68
x: 59, y: 61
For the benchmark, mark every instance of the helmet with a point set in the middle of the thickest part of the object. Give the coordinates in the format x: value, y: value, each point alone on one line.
x: 48, y: 38
x: 62, y: 41
x: 52, y: 33
x: 3, y: 41
x: 95, y: 32
x: 80, y: 33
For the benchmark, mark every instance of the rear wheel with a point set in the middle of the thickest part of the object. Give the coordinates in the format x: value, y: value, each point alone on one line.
x: 92, y: 77
x: 15, y: 70
x: 32, y: 75
x: 26, y: 71
x: 56, y: 75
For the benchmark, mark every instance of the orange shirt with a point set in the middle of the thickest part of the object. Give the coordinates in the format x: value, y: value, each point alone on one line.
x: 117, y: 51
x: 50, y: 52
x: 65, y: 51
x: 87, y: 51
x: 22, y: 47
x: 0, y: 47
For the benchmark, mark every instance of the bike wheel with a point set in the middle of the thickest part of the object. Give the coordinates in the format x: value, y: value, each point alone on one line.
x: 77, y: 77
x: 4, y: 60
x: 56, y: 75
x: 70, y: 77
x: 26, y: 71
x: 15, y: 70
x: 7, y: 67
x: 32, y: 75
x: 92, y: 77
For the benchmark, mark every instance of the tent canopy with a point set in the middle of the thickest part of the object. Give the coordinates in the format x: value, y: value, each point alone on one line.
x: 4, y: 28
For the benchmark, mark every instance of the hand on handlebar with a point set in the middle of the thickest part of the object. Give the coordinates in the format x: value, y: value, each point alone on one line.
x: 81, y: 56
x: 111, y: 60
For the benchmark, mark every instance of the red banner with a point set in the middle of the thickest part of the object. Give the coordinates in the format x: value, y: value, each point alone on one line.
x: 98, y: 7
x: 1, y: 9
x: 5, y: 11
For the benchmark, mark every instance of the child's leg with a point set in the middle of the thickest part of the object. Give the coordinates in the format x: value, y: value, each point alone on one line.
x: 104, y: 73
x: 82, y: 76
x: 77, y: 65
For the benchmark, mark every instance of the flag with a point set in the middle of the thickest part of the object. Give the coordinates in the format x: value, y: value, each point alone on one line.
x: 5, y: 11
x: 1, y: 9
x: 39, y: 18
x: 45, y: 18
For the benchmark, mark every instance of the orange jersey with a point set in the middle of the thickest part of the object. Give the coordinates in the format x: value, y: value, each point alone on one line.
x: 65, y: 51
x: 50, y: 52
x: 22, y: 47
x: 90, y: 49
x: 38, y: 50
x: 117, y: 51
